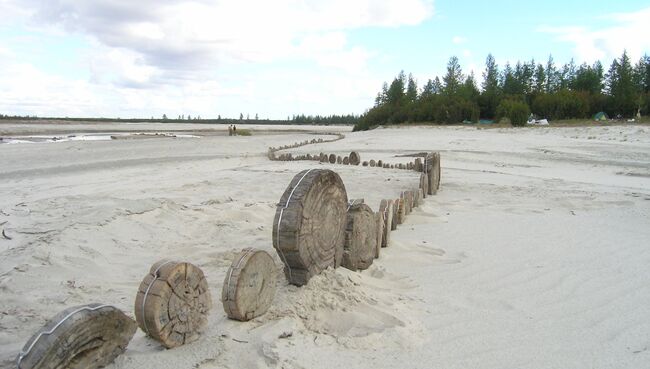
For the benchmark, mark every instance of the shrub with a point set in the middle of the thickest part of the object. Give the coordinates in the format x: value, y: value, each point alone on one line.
x: 516, y: 111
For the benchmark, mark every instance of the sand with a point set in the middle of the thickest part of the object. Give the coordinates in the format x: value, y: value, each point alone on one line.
x: 534, y: 254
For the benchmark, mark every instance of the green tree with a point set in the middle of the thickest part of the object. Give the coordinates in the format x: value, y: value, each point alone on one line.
x: 411, y: 89
x: 454, y: 77
x: 621, y: 88
x: 491, y: 91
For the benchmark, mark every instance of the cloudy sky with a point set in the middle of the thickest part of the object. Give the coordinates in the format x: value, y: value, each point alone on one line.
x: 143, y: 58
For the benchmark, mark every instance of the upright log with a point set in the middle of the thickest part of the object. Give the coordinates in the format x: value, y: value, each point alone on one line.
x: 249, y: 287
x: 372, y: 162
x: 424, y: 184
x: 173, y: 303
x: 401, y: 209
x: 355, y: 158
x: 309, y: 224
x: 339, y: 160
x: 418, y: 164
x: 81, y: 337
x: 360, y: 237
x: 346, y: 161
x: 332, y: 159
x: 386, y: 207
x: 379, y: 229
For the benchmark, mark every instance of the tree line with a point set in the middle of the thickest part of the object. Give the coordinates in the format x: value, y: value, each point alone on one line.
x: 553, y: 92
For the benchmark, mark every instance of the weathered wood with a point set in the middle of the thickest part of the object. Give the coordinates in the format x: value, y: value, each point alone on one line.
x: 322, y: 158
x: 309, y: 224
x: 249, y: 287
x: 418, y: 164
x: 365, y: 163
x: 416, y: 197
x: 379, y: 218
x: 173, y: 303
x: 346, y: 161
x: 372, y: 162
x: 433, y: 172
x: 355, y: 158
x: 401, y: 209
x: 339, y: 160
x: 332, y: 159
x: 81, y: 337
x: 360, y: 237
x: 420, y: 196
x: 408, y: 201
x: 424, y: 184
x: 386, y: 207
x: 380, y: 163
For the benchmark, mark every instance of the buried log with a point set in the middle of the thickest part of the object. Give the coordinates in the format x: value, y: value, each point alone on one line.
x: 401, y: 209
x: 80, y: 337
x: 173, y: 303
x: 432, y: 165
x: 380, y: 163
x: 332, y: 159
x: 418, y: 164
x: 309, y: 224
x: 360, y: 237
x: 365, y: 164
x: 355, y: 158
x: 249, y: 287
x: 372, y: 163
x: 346, y: 161
x: 339, y: 160
x: 408, y: 202
x: 379, y: 229
x: 424, y: 184
x: 416, y: 198
x: 386, y: 207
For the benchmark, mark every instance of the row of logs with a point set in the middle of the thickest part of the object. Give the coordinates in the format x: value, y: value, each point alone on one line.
x: 316, y: 226
x: 272, y: 150
x: 171, y: 306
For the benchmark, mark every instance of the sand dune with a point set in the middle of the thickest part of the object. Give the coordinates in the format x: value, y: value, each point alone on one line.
x: 533, y: 255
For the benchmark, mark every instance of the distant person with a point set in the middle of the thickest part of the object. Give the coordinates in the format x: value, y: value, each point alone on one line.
x: 229, y: 130
x: 234, y: 130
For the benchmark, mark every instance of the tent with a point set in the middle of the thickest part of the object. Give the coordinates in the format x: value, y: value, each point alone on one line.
x: 601, y: 116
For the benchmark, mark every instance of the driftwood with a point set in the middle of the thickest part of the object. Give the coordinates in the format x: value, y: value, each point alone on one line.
x: 309, y: 224
x: 386, y: 207
x: 400, y: 205
x: 424, y: 184
x: 81, y: 337
x: 379, y: 219
x: 249, y: 287
x: 360, y: 237
x: 355, y: 158
x: 173, y: 303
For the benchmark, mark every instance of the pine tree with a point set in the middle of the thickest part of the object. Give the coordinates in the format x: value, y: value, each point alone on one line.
x: 620, y: 86
x: 412, y: 89
x: 454, y: 77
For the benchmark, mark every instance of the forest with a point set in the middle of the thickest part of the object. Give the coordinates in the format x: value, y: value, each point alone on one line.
x: 514, y: 92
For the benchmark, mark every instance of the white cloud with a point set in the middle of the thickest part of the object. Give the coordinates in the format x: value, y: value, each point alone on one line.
x: 630, y: 32
x: 458, y: 40
x: 165, y: 55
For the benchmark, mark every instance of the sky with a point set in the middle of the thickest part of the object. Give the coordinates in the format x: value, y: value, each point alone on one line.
x: 209, y: 58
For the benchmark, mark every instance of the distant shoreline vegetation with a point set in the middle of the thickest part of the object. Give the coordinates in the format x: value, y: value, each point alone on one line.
x: 295, y: 120
x: 514, y: 92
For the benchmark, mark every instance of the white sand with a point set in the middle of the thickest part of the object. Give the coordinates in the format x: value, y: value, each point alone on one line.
x: 535, y: 253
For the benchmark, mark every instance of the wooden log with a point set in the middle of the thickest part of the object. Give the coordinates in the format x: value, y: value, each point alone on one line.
x: 418, y: 164
x: 401, y: 209
x: 309, y: 224
x: 355, y: 158
x: 386, y: 207
x: 379, y: 229
x: 380, y: 163
x: 416, y: 197
x: 433, y: 168
x: 360, y: 237
x: 346, y: 161
x: 408, y: 202
x: 249, y: 287
x: 173, y: 303
x: 322, y: 157
x: 424, y: 184
x: 392, y: 166
x: 332, y: 159
x: 80, y: 337
x: 372, y: 162
x: 420, y: 195
x: 395, y: 214
x: 365, y: 164
x: 339, y: 160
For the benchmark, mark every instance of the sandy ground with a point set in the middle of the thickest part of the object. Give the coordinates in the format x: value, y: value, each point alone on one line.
x: 534, y: 254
